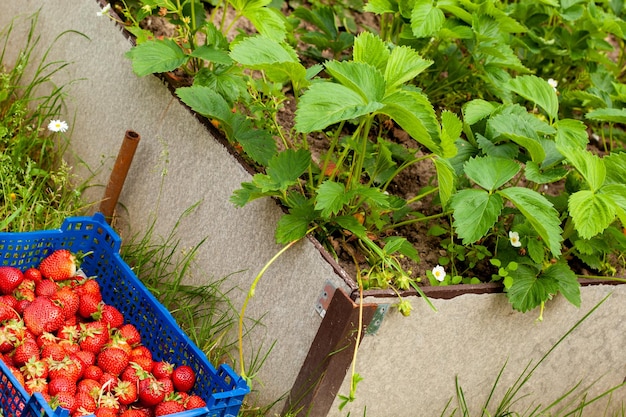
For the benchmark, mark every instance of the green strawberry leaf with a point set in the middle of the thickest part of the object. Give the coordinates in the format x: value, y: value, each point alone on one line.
x: 156, y: 56
x: 539, y: 212
x: 287, y: 166
x: 528, y: 290
x: 475, y: 213
x: 591, y: 212
x: 491, y: 172
x: 566, y: 280
x: 538, y: 91
x: 331, y: 198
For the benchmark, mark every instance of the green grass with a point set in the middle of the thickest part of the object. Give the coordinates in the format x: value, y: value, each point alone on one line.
x: 37, y: 188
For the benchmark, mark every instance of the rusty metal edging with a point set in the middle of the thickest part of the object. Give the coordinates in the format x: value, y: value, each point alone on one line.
x: 329, y: 357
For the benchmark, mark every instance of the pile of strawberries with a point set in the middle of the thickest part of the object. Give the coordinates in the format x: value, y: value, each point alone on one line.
x: 59, y: 338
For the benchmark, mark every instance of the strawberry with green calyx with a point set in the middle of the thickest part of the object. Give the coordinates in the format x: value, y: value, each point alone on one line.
x: 60, y: 265
x: 126, y: 392
x: 60, y: 384
x: 94, y: 335
x: 150, y: 392
x: 85, y: 404
x: 42, y: 315
x: 24, y: 351
x: 183, y: 378
x: 68, y: 300
x: 10, y: 279
x: 168, y: 407
x: 194, y: 401
x: 36, y: 385
x: 7, y: 312
x: 130, y: 333
x: 33, y: 274
x: 35, y: 368
x: 112, y: 360
x: 162, y: 369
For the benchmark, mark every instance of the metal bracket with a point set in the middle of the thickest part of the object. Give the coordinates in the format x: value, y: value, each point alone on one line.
x: 324, y: 300
x: 377, y: 320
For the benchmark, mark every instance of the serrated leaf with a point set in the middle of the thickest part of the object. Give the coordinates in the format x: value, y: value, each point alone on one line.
x: 351, y: 224
x: 540, y: 213
x: 371, y: 194
x: 451, y: 129
x: 212, y: 54
x: 446, y: 179
x: 278, y: 60
x: 258, y: 144
x: 591, y: 212
x: 404, y: 64
x: 475, y: 213
x: 327, y: 103
x: 571, y: 133
x: 607, y: 115
x: 267, y: 21
x: 491, y: 172
x: 532, y: 146
x: 615, y: 164
x: 360, y: 77
x: 477, y: 110
x: 331, y: 198
x: 370, y: 49
x: 381, y: 6
x: 590, y: 166
x: 246, y: 193
x: 566, y: 281
x: 294, y: 226
x: 286, y: 167
x: 205, y: 101
x: 534, y: 174
x: 414, y: 113
x: 156, y: 56
x: 529, y: 291
x: 401, y: 245
x: 426, y: 19
x: 535, y: 250
x: 538, y: 91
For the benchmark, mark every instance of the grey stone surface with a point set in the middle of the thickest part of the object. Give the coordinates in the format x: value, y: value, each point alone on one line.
x: 409, y: 366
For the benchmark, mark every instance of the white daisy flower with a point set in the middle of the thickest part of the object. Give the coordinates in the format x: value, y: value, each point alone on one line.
x: 57, y: 126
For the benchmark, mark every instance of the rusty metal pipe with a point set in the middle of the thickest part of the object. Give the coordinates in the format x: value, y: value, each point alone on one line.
x: 118, y: 175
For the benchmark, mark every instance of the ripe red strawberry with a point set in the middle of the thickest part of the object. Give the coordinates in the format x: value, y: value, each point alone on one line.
x: 126, y: 392
x: 145, y: 363
x: 168, y: 385
x: 150, y: 392
x: 24, y: 351
x: 132, y: 412
x: 108, y: 382
x: 162, y: 369
x: 141, y: 351
x: 59, y: 265
x: 89, y: 304
x: 130, y: 333
x: 133, y: 373
x: 36, y: 385
x: 7, y: 339
x: 93, y: 372
x: 112, y: 360
x: 94, y: 335
x: 10, y: 279
x: 106, y: 412
x: 42, y: 315
x: 7, y: 312
x: 32, y: 274
x: 168, y: 407
x: 111, y: 316
x: 46, y: 288
x: 8, y: 299
x: 35, y: 368
x: 183, y: 378
x: 65, y: 400
x: 194, y: 401
x: 87, y: 358
x: 52, y: 351
x: 68, y: 299
x: 61, y: 384
x: 85, y: 403
x: 66, y: 367
x: 88, y: 385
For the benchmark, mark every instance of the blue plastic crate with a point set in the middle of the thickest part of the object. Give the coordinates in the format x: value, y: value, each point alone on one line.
x: 222, y: 389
